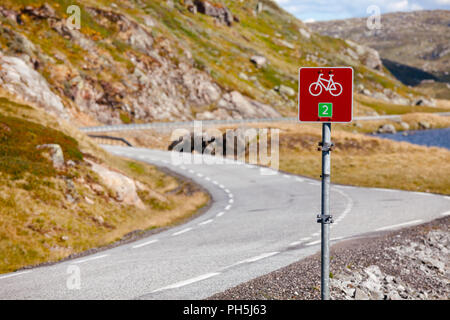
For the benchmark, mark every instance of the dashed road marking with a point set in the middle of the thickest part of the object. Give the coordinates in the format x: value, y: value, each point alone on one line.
x: 181, y: 232
x: 220, y: 214
x: 313, y: 243
x: 400, y: 225
x: 188, y: 282
x: 230, y: 201
x: 228, y: 207
x: 445, y: 213
x: 91, y: 259
x: 259, y: 257
x: 205, y: 222
x: 145, y: 244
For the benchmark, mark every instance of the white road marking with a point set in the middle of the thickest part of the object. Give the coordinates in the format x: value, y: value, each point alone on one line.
x: 299, y: 179
x: 348, y: 207
x: 312, y: 243
x: 91, y: 259
x: 423, y: 193
x: 230, y: 201
x: 400, y: 225
x: 286, y: 176
x: 230, y: 195
x: 182, y: 167
x: 221, y: 186
x: 336, y: 239
x: 260, y: 257
x: 294, y: 243
x: 227, y: 190
x: 227, y: 207
x: 205, y: 222
x: 220, y: 214
x: 445, y: 213
x: 315, y: 234
x: 182, y: 231
x: 215, y: 182
x: 207, y: 179
x: 188, y: 282
x: 199, y: 175
x: 191, y: 171
x: 305, y: 239
x: 14, y: 274
x: 145, y: 244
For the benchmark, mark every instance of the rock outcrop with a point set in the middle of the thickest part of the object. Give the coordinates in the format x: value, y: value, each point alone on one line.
x: 215, y: 10
x: 20, y: 79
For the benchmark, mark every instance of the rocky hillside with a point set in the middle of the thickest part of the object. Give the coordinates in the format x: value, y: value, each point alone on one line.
x: 155, y: 60
x: 415, y: 46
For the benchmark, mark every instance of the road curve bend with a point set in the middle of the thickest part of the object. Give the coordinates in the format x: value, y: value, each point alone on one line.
x: 260, y: 220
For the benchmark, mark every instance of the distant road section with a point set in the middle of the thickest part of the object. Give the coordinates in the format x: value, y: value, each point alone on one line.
x: 209, y: 123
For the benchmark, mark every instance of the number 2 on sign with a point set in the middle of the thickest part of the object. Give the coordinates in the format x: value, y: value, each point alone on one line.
x: 325, y: 110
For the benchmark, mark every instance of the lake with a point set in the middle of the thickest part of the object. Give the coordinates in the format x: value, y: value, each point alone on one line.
x: 430, y: 138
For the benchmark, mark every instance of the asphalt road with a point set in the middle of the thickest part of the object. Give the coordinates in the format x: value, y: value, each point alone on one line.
x: 260, y: 220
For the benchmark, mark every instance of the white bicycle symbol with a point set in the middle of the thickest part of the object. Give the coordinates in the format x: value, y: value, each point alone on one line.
x: 334, y: 88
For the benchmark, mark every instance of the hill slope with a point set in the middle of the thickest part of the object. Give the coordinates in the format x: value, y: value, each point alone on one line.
x: 61, y: 195
x: 414, y: 45
x: 141, y: 61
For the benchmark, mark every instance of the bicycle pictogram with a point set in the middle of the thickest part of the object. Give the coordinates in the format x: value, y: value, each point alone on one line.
x: 334, y: 88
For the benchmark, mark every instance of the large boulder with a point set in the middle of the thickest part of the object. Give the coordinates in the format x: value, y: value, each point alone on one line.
x: 259, y: 61
x: 56, y: 153
x: 123, y: 187
x: 387, y: 128
x: 218, y: 11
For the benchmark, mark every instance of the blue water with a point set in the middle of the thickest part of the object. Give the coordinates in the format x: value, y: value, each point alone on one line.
x: 430, y: 138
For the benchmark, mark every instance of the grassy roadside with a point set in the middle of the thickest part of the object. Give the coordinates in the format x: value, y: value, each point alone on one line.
x: 47, y: 214
x: 366, y: 161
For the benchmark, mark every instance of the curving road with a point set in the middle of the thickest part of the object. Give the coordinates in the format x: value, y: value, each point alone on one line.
x: 260, y: 220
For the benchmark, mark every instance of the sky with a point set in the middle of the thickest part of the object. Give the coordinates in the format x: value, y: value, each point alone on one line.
x: 317, y: 10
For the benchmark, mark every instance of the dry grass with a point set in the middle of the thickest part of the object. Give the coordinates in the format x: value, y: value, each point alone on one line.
x: 366, y: 161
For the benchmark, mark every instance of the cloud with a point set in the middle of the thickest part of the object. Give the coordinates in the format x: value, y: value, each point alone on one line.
x: 332, y: 9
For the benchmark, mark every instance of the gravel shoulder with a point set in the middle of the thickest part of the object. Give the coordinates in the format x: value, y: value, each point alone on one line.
x: 411, y: 263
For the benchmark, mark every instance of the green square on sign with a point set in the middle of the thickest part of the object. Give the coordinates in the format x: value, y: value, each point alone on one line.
x: 325, y: 110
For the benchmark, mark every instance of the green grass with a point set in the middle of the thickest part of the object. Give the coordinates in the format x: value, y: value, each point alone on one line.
x: 18, y: 141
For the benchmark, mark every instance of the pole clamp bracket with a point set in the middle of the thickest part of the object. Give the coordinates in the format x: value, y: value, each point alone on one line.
x: 325, y: 219
x: 325, y: 147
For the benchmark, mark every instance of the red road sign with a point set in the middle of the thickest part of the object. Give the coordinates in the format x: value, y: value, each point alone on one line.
x: 325, y: 94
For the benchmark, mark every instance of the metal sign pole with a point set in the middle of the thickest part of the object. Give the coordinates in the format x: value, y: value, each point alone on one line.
x: 325, y: 217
